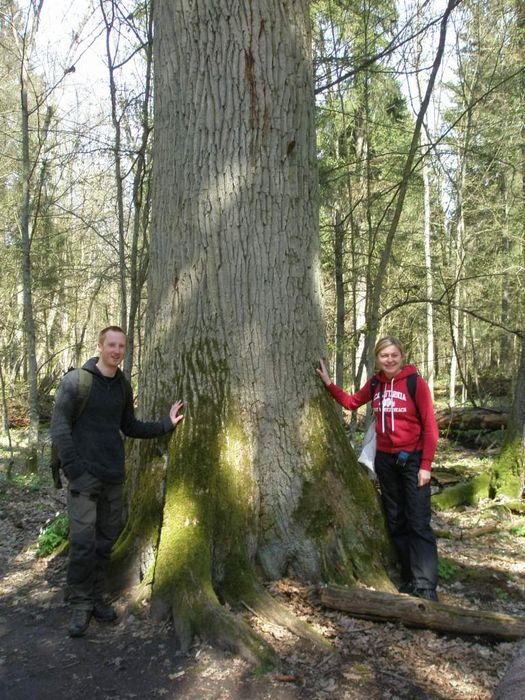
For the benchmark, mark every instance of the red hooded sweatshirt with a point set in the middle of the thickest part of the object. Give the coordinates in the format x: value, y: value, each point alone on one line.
x: 398, y: 426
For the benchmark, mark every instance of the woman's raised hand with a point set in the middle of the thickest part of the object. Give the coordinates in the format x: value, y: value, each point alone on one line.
x: 323, y: 373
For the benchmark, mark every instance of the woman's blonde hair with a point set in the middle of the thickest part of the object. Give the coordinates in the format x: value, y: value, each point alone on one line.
x: 383, y: 343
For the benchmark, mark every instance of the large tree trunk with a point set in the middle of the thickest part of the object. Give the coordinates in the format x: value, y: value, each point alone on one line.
x: 259, y: 475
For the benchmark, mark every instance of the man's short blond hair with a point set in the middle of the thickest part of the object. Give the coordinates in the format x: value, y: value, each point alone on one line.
x: 104, y: 331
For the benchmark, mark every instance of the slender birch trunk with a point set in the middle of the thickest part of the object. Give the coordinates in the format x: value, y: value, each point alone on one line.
x: 340, y: 307
x: 505, y: 340
x: 428, y: 274
x: 109, y: 20
x: 25, y: 254
x: 141, y: 193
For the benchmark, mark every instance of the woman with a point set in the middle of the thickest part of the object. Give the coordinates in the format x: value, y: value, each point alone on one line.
x: 406, y: 437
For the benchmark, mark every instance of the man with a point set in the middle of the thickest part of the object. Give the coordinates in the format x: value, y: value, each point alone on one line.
x: 91, y: 451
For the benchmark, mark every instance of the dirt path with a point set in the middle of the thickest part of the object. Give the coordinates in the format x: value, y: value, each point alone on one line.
x: 135, y: 659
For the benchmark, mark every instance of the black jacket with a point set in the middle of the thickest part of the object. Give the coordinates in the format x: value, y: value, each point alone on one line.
x: 94, y: 442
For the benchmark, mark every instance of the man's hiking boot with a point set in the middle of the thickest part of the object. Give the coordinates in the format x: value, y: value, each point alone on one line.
x: 79, y: 622
x: 407, y: 587
x: 428, y: 593
x: 104, y: 612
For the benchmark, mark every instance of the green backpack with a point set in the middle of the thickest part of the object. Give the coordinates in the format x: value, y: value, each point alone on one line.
x: 85, y: 380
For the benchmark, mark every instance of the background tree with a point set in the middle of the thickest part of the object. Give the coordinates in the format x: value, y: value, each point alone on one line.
x: 128, y: 36
x: 24, y: 29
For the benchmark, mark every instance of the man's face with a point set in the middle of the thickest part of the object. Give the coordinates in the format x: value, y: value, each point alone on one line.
x: 112, y: 349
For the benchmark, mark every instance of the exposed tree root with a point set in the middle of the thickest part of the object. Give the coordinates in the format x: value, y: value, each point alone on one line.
x: 516, y: 506
x: 201, y: 615
x: 264, y: 606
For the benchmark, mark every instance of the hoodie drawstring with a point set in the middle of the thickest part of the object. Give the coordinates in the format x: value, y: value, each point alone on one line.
x: 392, y: 404
x: 382, y: 408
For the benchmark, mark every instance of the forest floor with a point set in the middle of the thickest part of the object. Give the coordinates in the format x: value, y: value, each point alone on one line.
x: 133, y: 658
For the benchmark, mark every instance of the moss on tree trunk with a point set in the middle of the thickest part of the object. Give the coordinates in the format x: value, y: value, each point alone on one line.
x: 259, y: 480
x: 508, y: 469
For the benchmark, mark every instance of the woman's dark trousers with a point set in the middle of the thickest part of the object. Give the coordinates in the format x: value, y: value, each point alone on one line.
x: 407, y: 513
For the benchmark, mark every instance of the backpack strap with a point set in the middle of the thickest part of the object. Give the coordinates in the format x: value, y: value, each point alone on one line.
x: 85, y: 381
x: 411, y: 386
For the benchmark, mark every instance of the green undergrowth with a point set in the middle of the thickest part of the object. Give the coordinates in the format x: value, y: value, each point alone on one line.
x: 519, y: 531
x: 447, y: 569
x: 460, y: 461
x: 27, y: 481
x: 481, y: 580
x: 53, y: 535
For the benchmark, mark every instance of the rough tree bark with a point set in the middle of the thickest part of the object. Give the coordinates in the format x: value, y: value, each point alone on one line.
x: 259, y: 479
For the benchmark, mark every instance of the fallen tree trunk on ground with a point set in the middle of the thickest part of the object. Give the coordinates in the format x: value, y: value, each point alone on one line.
x: 469, y: 418
x: 417, y: 612
x: 480, y: 531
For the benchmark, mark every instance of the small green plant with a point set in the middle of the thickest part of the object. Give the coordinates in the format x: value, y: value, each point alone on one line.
x: 501, y: 594
x: 263, y: 668
x: 52, y: 535
x: 447, y: 569
x: 520, y: 531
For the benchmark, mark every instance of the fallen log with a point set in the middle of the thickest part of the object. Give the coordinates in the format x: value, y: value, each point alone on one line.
x: 418, y: 612
x: 480, y: 531
x: 470, y: 418
x: 445, y: 478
